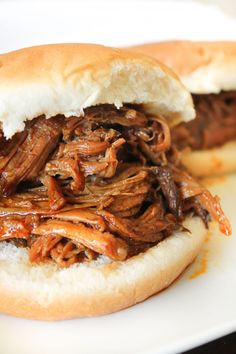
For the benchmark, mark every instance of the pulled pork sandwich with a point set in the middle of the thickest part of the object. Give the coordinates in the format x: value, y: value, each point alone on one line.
x: 208, y: 70
x: 96, y: 214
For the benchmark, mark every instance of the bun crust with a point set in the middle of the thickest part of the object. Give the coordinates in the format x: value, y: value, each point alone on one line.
x: 66, y: 78
x: 211, y: 162
x: 204, y: 67
x: 47, y: 293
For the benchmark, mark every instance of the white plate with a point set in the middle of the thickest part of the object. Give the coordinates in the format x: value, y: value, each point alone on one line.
x: 195, y: 309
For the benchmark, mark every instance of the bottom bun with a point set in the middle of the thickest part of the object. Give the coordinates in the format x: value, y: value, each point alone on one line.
x: 211, y: 162
x: 48, y: 293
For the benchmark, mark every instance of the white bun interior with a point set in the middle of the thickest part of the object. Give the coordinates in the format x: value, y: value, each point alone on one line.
x: 66, y: 78
x: 211, y: 162
x: 46, y: 292
x: 204, y: 67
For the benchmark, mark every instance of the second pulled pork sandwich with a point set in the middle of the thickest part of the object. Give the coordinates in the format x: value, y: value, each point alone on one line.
x: 208, y: 70
x: 96, y: 214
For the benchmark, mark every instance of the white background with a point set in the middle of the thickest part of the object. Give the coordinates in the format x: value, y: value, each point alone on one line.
x: 114, y: 23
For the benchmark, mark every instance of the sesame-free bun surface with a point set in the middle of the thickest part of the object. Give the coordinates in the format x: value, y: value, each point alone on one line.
x: 48, y: 293
x: 204, y: 67
x: 66, y: 78
x: 211, y: 162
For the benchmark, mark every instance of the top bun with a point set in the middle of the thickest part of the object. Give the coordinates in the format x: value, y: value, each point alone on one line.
x: 204, y: 67
x: 66, y: 78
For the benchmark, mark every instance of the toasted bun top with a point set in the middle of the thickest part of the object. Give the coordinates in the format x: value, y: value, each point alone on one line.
x: 66, y: 78
x: 204, y: 67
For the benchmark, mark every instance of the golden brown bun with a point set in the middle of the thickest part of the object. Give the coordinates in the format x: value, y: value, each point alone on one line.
x: 204, y: 67
x: 48, y: 293
x: 66, y: 78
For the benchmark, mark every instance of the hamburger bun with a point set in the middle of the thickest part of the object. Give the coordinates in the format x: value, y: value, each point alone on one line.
x: 65, y: 79
x: 45, y: 292
x: 204, y: 68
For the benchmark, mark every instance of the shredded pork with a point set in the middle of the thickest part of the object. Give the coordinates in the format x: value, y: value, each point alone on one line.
x: 215, y: 123
x: 107, y: 183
